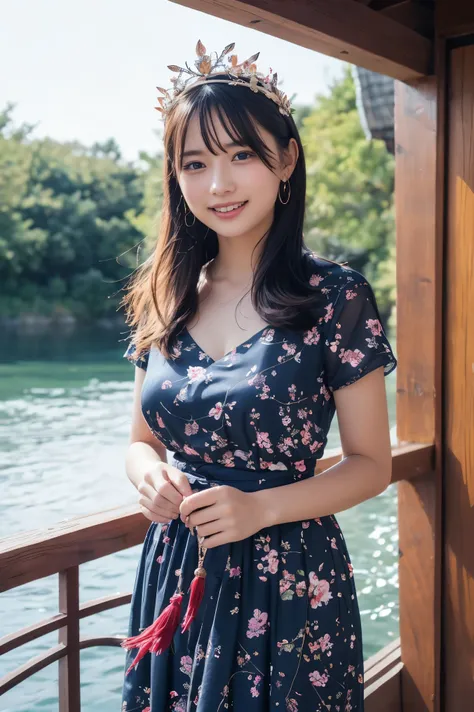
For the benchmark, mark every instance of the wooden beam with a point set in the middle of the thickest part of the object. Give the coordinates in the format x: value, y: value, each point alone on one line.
x: 419, y: 137
x: 340, y: 28
x: 458, y: 605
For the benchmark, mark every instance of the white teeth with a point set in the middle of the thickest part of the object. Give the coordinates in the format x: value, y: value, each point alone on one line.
x: 229, y: 208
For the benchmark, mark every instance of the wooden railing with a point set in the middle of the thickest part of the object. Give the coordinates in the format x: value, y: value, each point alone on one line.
x: 64, y: 547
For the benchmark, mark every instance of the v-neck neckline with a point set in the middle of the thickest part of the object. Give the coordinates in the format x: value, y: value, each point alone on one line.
x: 250, y: 341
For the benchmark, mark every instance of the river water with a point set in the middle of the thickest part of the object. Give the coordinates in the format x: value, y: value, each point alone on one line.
x: 65, y: 405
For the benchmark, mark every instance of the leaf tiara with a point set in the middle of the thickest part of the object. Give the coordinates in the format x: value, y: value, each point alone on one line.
x: 209, y: 64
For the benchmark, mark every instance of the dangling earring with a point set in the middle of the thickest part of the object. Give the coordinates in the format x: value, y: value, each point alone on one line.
x: 186, y: 215
x: 287, y: 186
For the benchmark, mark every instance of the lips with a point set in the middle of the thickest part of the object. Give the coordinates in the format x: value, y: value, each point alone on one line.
x: 221, y: 211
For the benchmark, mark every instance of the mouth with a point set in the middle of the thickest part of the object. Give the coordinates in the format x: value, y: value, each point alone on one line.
x: 231, y: 211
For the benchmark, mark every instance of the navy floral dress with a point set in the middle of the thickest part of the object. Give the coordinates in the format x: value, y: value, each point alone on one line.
x: 279, y: 625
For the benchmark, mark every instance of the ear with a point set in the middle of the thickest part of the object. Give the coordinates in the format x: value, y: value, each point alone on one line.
x: 290, y: 159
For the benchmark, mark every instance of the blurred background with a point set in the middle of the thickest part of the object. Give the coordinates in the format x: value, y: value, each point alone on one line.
x: 80, y: 191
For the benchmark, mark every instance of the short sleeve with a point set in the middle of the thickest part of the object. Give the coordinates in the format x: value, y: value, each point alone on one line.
x: 356, y: 342
x: 141, y: 361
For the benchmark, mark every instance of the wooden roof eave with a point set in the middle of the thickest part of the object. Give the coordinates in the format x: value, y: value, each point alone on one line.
x: 343, y: 29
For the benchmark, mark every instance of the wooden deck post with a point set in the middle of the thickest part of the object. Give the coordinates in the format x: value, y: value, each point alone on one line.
x: 419, y: 219
x: 69, y: 666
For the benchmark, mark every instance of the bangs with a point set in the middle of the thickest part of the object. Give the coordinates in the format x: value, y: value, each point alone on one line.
x: 241, y: 128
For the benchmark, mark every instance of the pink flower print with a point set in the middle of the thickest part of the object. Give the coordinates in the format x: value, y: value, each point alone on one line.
x: 228, y: 459
x: 375, y: 326
x: 207, y: 457
x: 292, y: 391
x: 318, y: 591
x: 317, y: 679
x: 286, y: 420
x: 191, y: 428
x: 272, y: 559
x: 314, y: 281
x: 257, y: 624
x: 305, y: 525
x: 351, y: 570
x: 292, y: 705
x: 160, y: 422
x: 235, y: 571
x: 258, y: 380
x: 329, y: 312
x: 352, y: 357
x: 263, y: 441
x: 334, y: 345
x: 216, y: 412
x: 301, y: 589
x: 243, y: 455
x: 159, y: 559
x: 302, y: 413
x: 186, y: 664
x: 312, y: 336
x: 268, y: 337
x: 333, y: 543
x: 253, y: 690
x: 196, y: 374
x: 300, y: 466
x: 325, y: 393
x: 147, y: 709
x: 173, y: 694
x: 325, y: 642
x: 166, y: 384
x: 189, y: 450
x: 290, y: 348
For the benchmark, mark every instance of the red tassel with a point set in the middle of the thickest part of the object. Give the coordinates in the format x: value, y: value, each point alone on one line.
x: 158, y: 636
x: 195, y: 597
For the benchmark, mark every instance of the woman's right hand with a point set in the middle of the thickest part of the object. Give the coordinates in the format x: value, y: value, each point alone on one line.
x: 161, y: 491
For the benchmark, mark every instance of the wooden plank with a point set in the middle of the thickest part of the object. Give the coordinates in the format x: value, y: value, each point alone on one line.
x: 32, y: 666
x: 419, y: 223
x: 454, y: 18
x: 32, y: 555
x: 31, y: 632
x: 340, y: 28
x: 459, y: 389
x: 385, y: 694
x: 69, y: 666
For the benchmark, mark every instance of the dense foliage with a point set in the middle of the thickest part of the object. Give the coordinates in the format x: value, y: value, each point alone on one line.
x: 74, y: 219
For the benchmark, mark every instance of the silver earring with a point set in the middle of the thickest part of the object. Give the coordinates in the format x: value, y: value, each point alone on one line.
x: 287, y: 187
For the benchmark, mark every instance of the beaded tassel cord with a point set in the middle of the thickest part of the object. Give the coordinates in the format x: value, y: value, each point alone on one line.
x: 158, y: 636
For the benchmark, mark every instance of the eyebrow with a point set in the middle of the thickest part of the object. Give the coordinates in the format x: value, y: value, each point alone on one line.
x: 232, y: 144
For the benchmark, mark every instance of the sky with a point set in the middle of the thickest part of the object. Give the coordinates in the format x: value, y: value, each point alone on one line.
x: 87, y: 70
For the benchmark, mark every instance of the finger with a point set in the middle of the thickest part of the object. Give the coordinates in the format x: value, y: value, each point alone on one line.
x: 167, y: 490
x: 209, y: 528
x: 205, y: 515
x: 181, y: 482
x: 153, y: 517
x: 161, y: 510
x: 205, y: 498
x: 162, y: 486
x: 216, y: 540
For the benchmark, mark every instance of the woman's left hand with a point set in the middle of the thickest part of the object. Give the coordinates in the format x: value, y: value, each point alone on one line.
x: 222, y: 514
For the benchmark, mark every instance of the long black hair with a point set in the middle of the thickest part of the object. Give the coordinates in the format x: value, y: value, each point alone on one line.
x: 162, y: 296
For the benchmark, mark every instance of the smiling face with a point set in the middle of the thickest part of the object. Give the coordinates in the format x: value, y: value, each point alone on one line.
x: 230, y: 178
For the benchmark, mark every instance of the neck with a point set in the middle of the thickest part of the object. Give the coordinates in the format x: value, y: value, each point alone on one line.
x: 238, y: 256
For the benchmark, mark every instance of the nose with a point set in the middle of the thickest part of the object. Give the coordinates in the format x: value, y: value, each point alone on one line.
x: 222, y: 179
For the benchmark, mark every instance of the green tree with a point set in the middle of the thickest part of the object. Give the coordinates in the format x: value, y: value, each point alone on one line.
x: 350, y: 215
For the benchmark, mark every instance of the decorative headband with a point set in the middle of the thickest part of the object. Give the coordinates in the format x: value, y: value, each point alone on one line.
x: 208, y: 65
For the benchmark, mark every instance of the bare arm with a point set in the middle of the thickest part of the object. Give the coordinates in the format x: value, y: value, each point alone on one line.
x: 365, y: 470
x: 161, y: 487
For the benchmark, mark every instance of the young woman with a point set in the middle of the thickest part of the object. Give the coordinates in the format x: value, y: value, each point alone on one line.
x: 246, y: 343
